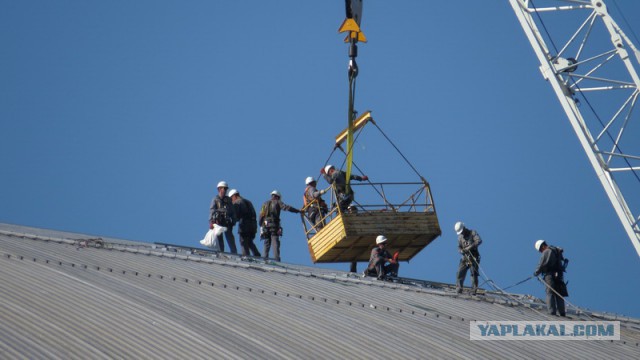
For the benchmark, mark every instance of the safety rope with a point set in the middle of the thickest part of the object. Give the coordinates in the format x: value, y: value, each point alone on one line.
x: 566, y: 302
x: 519, y: 282
x: 497, y: 288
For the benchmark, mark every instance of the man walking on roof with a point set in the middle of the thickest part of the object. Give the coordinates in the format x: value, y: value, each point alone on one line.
x: 338, y: 178
x: 551, y: 265
x: 221, y: 213
x: 468, y: 242
x: 315, y: 205
x: 270, y: 222
x: 247, y: 223
x: 379, y: 257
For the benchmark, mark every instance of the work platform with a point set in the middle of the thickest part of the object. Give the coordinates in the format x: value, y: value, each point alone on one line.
x: 349, y: 236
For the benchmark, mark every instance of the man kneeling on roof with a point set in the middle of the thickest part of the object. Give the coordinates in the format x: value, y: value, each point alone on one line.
x: 380, y: 256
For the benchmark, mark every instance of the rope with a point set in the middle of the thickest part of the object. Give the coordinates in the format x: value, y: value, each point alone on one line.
x: 562, y: 297
x: 634, y: 172
x: 625, y: 21
x: 519, y: 282
x: 369, y: 181
x: 497, y: 288
x: 398, y: 150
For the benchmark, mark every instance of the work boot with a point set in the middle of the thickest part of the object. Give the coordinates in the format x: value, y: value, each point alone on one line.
x: 474, y: 291
x: 459, y: 290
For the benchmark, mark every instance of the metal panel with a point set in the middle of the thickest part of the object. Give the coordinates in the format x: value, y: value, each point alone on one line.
x: 132, y: 300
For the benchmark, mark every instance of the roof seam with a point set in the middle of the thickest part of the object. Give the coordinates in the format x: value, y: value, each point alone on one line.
x: 99, y: 243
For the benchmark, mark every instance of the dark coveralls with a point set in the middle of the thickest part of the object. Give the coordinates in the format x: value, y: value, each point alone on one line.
x: 377, y: 265
x: 247, y: 226
x: 468, y: 242
x: 270, y: 219
x: 550, y: 266
x: 339, y: 179
x: 221, y: 213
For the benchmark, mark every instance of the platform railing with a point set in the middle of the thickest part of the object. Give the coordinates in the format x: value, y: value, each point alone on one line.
x: 373, y: 197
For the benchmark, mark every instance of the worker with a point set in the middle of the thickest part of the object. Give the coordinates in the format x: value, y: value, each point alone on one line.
x: 380, y: 256
x: 271, y: 231
x: 551, y: 265
x: 221, y: 213
x: 338, y: 178
x: 247, y: 223
x: 315, y: 205
x: 468, y: 242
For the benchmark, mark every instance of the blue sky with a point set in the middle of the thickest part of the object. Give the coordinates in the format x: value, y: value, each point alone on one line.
x: 118, y: 118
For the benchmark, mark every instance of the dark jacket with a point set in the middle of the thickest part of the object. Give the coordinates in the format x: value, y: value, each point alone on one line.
x: 550, y: 261
x: 468, y: 242
x: 339, y: 179
x: 246, y: 215
x: 270, y: 213
x: 221, y: 211
x: 378, y: 255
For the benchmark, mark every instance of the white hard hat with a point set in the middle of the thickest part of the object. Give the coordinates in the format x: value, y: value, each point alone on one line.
x: 538, y: 244
x: 381, y: 239
x: 223, y: 184
x: 233, y: 192
x: 459, y: 227
x: 327, y: 168
x: 309, y: 180
x: 276, y: 193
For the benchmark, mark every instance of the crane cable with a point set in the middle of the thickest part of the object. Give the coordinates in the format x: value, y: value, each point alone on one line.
x: 353, y: 74
x: 399, y: 152
x: 634, y: 172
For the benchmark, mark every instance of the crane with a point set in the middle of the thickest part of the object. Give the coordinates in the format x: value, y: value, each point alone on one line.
x: 594, y: 73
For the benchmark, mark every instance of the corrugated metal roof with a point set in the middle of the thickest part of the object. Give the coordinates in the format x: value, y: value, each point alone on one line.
x: 61, y: 299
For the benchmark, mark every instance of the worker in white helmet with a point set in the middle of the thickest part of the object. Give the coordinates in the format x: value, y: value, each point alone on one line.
x: 247, y: 223
x: 338, y: 178
x: 315, y: 206
x: 271, y: 231
x: 380, y: 256
x: 468, y: 242
x: 552, y: 265
x: 222, y: 214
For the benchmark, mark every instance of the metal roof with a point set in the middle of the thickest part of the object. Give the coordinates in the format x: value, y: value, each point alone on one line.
x: 67, y: 295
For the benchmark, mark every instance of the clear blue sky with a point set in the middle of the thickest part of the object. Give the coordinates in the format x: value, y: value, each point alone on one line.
x: 118, y: 118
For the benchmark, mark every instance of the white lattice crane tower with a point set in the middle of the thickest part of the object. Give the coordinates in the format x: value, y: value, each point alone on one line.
x: 594, y: 72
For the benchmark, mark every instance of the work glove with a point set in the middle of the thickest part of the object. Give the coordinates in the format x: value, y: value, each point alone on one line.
x: 322, y: 171
x: 365, y: 178
x: 210, y: 224
x: 323, y: 191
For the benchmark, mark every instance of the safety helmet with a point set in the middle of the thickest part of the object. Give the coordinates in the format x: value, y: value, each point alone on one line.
x: 459, y: 227
x: 276, y: 193
x: 381, y: 239
x: 327, y: 168
x: 223, y: 184
x: 233, y: 192
x: 539, y: 244
x: 309, y: 180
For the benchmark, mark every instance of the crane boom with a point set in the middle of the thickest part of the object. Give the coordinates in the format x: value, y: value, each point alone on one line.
x: 596, y: 70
